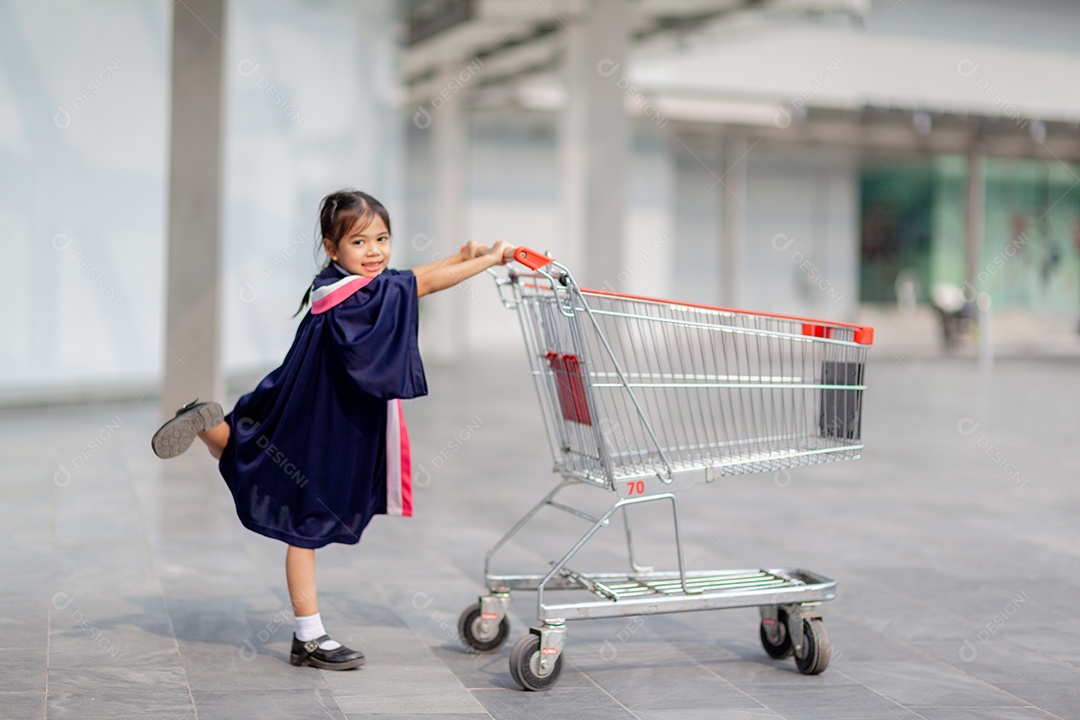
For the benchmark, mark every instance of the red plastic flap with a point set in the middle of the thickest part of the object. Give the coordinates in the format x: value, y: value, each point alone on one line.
x: 571, y: 386
x: 577, y: 389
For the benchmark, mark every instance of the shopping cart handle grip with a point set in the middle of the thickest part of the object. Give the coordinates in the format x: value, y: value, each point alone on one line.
x: 530, y: 258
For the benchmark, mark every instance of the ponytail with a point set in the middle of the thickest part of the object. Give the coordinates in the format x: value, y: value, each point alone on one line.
x: 304, y: 302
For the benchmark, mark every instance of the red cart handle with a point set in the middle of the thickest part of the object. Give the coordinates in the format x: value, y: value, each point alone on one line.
x: 530, y: 258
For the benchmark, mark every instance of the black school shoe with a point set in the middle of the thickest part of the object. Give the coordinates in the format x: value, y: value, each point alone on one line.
x: 176, y: 436
x: 309, y: 653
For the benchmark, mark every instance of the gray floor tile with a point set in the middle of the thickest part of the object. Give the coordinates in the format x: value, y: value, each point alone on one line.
x: 1048, y: 696
x: 478, y: 670
x: 394, y: 645
x: 146, y: 700
x: 642, y: 691
x: 420, y: 716
x: 657, y: 676
x: 1003, y: 662
x: 580, y: 703
x: 22, y: 671
x: 221, y: 669
x: 351, y: 612
x: 710, y: 714
x: 113, y: 678
x: 102, y: 645
x: 268, y: 704
x: 25, y: 577
x: 806, y: 701
x: 23, y: 623
x: 986, y: 713
x: 20, y: 705
x: 400, y: 688
x: 918, y: 683
x: 230, y: 620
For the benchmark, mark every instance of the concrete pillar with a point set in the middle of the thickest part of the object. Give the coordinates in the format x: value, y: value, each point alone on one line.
x: 649, y: 237
x: 973, y: 241
x: 193, y: 310
x: 973, y: 235
x: 594, y: 142
x: 445, y: 328
x: 732, y: 243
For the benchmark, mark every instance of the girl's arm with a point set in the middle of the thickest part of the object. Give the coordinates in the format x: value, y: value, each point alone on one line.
x: 442, y: 276
x: 468, y: 251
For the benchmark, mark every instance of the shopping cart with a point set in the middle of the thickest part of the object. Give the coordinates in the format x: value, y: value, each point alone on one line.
x: 648, y: 398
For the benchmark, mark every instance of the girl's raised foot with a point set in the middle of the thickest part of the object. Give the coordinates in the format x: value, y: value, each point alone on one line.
x: 176, y: 435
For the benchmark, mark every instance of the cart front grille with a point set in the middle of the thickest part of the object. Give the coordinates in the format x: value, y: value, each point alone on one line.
x: 631, y: 387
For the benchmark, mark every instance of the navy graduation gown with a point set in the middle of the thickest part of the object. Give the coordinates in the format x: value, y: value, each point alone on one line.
x: 320, y: 446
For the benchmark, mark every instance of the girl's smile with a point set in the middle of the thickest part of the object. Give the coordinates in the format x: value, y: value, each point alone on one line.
x: 365, y: 251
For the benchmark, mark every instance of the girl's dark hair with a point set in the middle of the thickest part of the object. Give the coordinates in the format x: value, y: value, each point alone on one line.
x: 340, y: 213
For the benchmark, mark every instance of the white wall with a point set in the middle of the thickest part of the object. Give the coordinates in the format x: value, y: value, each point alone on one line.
x: 83, y: 151
x: 1041, y: 25
x: 697, y: 267
x: 802, y: 234
x: 650, y: 217
x: 82, y: 165
x: 513, y: 186
x: 311, y: 88
x: 801, y: 249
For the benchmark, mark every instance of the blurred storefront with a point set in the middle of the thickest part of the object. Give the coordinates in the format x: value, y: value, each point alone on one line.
x: 912, y: 231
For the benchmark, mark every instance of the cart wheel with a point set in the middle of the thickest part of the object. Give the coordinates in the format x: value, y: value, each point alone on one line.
x: 470, y: 634
x: 780, y: 649
x: 816, y: 649
x: 525, y: 665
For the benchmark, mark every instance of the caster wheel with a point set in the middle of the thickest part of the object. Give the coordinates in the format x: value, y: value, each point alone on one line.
x: 469, y: 630
x: 525, y: 665
x: 775, y: 638
x: 816, y: 649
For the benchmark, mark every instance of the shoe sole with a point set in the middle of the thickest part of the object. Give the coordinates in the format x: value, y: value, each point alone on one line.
x: 312, y: 662
x: 177, y: 435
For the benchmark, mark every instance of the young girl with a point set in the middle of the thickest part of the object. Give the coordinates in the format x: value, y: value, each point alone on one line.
x: 320, y: 446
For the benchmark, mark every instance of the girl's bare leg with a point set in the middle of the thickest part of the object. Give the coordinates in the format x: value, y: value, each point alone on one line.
x: 300, y: 576
x: 216, y: 438
x: 330, y: 654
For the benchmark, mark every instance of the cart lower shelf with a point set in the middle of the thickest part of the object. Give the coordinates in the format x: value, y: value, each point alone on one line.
x: 662, y: 592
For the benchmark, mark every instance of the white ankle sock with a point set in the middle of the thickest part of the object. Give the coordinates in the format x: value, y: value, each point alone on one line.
x: 310, y: 627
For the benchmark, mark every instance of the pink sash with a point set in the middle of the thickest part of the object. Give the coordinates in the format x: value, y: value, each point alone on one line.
x: 329, y: 296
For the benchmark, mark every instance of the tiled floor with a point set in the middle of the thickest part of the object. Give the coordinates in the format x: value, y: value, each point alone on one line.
x: 129, y: 589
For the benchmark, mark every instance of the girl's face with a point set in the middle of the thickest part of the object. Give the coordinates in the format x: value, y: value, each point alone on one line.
x: 364, y: 251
